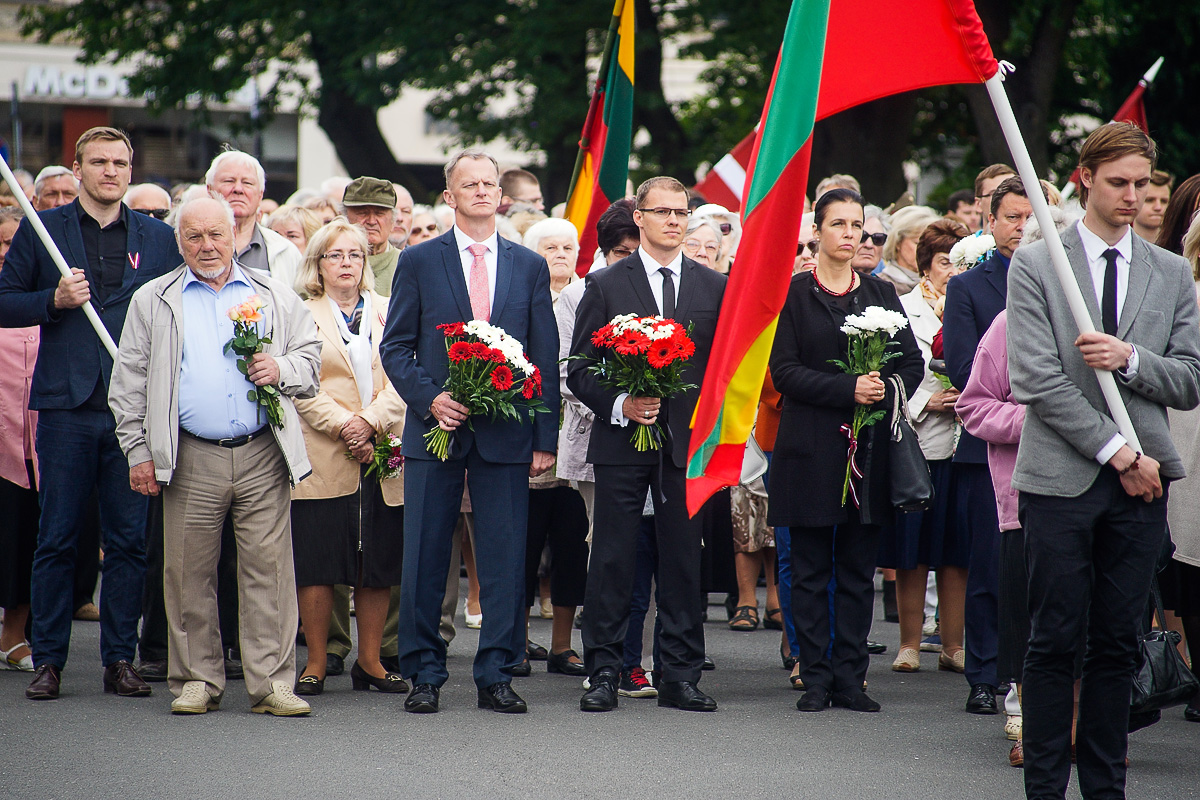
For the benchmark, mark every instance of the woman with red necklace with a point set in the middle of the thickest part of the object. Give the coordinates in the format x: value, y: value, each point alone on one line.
x: 830, y: 539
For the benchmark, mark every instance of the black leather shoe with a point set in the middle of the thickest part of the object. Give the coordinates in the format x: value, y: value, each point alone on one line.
x: 982, y: 699
x: 814, y: 699
x: 391, y: 663
x: 153, y: 671
x: 853, y: 700
x: 522, y: 670
x: 685, y: 696
x: 309, y: 686
x: 233, y: 665
x: 45, y: 683
x: 876, y: 648
x: 362, y: 681
x: 334, y: 664
x: 535, y: 652
x: 1191, y: 712
x: 120, y: 678
x: 501, y: 697
x: 603, y: 694
x: 708, y: 665
x: 561, y: 664
x: 423, y: 699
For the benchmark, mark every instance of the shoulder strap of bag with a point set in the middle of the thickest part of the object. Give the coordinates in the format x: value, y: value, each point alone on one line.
x: 899, y: 406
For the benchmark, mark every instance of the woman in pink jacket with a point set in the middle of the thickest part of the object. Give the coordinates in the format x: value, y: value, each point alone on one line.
x: 987, y: 410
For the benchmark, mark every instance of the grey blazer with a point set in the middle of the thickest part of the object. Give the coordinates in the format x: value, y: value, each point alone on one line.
x: 1067, y: 422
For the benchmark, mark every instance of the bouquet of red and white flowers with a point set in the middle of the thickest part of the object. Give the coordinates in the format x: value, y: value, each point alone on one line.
x: 484, y: 362
x: 386, y: 460
x: 645, y: 359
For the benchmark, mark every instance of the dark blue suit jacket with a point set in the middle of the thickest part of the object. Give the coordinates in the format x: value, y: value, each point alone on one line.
x: 428, y: 290
x: 973, y: 300
x: 71, y: 357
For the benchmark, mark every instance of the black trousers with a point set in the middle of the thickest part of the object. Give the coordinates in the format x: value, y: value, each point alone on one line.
x: 982, y: 609
x: 848, y: 553
x: 557, y: 515
x: 620, y: 498
x: 1090, y: 559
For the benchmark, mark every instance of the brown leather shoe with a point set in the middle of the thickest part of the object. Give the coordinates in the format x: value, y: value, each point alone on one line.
x: 1016, y: 756
x: 45, y: 683
x: 122, y: 679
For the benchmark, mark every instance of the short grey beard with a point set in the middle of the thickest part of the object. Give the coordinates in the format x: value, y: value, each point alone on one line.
x: 209, y: 274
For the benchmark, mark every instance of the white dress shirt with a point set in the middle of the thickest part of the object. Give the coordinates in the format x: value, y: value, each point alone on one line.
x: 652, y: 267
x: 463, y: 242
x: 1093, y: 249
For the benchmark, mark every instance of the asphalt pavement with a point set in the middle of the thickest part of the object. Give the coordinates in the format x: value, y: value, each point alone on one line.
x: 91, y: 746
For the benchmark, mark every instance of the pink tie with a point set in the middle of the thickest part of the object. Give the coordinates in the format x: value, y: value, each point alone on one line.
x: 480, y: 305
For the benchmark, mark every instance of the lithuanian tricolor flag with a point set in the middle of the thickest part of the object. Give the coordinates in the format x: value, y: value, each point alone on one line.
x: 602, y: 168
x: 823, y: 68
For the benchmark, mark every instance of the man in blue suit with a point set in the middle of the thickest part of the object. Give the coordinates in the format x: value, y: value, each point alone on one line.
x: 973, y: 300
x: 112, y: 251
x: 468, y: 273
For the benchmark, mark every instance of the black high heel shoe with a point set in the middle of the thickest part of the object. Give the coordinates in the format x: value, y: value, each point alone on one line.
x: 309, y: 686
x: 362, y: 681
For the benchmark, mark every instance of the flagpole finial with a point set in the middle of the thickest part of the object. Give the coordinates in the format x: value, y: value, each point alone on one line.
x: 1152, y: 73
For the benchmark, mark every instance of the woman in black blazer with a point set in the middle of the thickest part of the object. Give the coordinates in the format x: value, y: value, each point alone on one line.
x: 809, y: 463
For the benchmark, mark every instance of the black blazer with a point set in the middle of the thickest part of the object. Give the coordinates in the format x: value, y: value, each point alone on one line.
x: 624, y: 288
x: 428, y: 290
x: 71, y: 357
x: 809, y: 462
x: 973, y: 301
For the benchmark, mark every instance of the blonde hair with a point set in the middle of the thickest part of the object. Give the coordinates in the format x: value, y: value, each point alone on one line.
x: 309, y: 279
x: 907, y: 223
x: 1191, y: 245
x: 1110, y: 142
x: 308, y: 221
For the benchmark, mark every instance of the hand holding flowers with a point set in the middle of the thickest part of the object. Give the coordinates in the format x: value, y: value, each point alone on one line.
x: 258, y: 367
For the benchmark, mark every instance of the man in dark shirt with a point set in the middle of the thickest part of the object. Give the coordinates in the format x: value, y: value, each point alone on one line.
x: 112, y: 252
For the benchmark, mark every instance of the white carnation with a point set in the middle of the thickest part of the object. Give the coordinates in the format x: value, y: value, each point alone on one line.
x: 968, y: 252
x: 875, y: 319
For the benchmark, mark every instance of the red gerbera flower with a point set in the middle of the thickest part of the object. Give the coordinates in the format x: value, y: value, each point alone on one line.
x: 479, y: 350
x: 502, y: 378
x: 632, y: 342
x: 662, y: 352
x: 497, y: 356
x: 527, y: 389
x: 685, y: 348
x: 603, y: 337
x: 459, y: 351
x: 451, y: 329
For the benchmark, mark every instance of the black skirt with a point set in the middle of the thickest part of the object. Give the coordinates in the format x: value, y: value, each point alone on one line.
x: 18, y: 539
x: 355, y: 540
x: 1180, y: 586
x: 936, y: 538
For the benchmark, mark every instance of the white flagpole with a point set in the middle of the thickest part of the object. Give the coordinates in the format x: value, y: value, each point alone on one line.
x: 1058, y: 254
x: 55, y: 254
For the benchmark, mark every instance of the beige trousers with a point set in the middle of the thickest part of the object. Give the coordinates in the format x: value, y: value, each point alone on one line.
x: 250, y: 482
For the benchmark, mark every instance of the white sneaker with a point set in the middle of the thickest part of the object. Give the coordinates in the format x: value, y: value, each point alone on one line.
x: 282, y: 702
x: 194, y: 699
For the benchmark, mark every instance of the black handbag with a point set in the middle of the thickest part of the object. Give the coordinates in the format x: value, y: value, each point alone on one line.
x: 1163, y: 678
x: 912, y: 488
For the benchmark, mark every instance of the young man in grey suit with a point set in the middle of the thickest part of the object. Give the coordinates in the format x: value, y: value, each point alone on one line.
x: 1094, y: 510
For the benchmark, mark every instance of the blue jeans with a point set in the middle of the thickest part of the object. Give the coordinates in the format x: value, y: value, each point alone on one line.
x: 783, y: 565
x: 77, y: 449
x: 639, y: 603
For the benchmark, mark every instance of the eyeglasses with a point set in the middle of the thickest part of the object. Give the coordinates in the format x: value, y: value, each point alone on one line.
x: 694, y: 245
x: 664, y: 213
x: 812, y: 245
x: 623, y: 252
x: 157, y: 213
x: 877, y: 239
x: 337, y: 257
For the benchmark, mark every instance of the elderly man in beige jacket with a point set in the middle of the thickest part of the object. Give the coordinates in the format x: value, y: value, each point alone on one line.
x: 185, y: 422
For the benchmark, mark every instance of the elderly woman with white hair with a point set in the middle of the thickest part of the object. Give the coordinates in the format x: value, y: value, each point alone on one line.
x: 730, y: 226
x: 900, y: 249
x: 347, y: 525
x: 702, y: 241
x: 557, y: 514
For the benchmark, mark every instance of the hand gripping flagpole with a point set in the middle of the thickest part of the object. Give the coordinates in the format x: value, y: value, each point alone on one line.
x: 55, y: 254
x: 1058, y: 254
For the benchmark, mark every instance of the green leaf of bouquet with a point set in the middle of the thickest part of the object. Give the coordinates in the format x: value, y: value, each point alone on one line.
x: 252, y: 396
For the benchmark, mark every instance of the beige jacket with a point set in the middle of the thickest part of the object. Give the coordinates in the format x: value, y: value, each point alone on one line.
x: 144, y: 391
x: 322, y: 416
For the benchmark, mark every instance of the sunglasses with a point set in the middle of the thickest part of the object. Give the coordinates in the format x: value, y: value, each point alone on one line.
x: 877, y: 239
x: 812, y: 245
x: 430, y: 228
x: 157, y: 213
x: 726, y: 228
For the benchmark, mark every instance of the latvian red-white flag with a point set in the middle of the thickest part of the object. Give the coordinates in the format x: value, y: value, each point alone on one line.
x: 723, y: 183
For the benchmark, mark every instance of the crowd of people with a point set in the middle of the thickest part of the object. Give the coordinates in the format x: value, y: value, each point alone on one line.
x: 239, y: 508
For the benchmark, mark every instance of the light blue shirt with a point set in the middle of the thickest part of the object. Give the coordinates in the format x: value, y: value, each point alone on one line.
x: 212, y: 392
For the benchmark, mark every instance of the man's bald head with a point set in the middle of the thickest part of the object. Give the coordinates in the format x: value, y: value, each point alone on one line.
x: 148, y: 197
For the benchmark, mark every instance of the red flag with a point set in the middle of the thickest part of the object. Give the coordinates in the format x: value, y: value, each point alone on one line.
x: 822, y: 69
x: 723, y: 183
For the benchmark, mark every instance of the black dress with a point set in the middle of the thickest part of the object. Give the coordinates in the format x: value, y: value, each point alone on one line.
x: 830, y: 540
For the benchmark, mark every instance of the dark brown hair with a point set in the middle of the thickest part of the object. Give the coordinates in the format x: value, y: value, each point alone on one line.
x: 1183, y: 205
x: 658, y: 182
x: 994, y: 171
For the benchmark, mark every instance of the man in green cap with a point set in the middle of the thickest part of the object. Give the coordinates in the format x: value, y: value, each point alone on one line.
x: 370, y: 203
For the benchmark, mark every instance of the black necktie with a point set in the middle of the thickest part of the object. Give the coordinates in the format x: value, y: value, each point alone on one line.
x: 668, y: 294
x: 1108, y: 309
